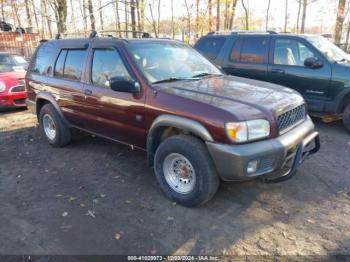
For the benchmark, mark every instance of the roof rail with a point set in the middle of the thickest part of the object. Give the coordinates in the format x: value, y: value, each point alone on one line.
x: 235, y: 32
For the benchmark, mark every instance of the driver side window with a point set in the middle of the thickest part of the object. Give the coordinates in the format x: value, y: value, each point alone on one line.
x: 291, y: 52
x: 107, y: 64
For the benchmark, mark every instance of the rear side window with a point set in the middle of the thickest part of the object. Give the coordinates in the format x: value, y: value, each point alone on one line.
x: 211, y: 47
x: 253, y: 49
x: 73, y: 66
x: 42, y: 58
x: 60, y: 63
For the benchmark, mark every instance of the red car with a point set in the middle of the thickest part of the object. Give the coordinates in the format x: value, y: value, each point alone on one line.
x: 12, y: 90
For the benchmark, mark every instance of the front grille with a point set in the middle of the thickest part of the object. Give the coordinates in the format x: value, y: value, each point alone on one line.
x: 265, y: 164
x: 17, y: 89
x: 290, y: 118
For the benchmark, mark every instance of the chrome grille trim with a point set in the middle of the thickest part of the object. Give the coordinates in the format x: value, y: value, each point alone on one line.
x: 291, y: 118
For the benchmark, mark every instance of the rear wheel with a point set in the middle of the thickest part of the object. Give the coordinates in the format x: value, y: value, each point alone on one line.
x: 52, y: 127
x: 346, y: 117
x: 185, y: 170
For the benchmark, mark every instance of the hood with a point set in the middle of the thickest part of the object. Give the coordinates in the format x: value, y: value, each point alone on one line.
x: 236, y: 94
x: 17, y: 75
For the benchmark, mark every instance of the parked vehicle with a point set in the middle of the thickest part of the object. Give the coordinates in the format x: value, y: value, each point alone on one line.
x: 12, y: 90
x: 12, y: 63
x: 196, y: 124
x: 312, y: 65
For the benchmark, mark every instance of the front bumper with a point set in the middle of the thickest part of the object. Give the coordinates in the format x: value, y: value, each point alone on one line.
x: 277, y: 159
x: 13, y: 100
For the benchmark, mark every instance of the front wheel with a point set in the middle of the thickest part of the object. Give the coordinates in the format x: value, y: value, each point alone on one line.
x: 185, y: 170
x: 346, y: 117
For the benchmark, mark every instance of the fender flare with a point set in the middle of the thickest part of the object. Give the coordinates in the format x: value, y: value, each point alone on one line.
x: 177, y: 122
x: 51, y: 99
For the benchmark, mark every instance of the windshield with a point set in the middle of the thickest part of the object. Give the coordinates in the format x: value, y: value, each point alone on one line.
x: 331, y: 51
x: 170, y: 61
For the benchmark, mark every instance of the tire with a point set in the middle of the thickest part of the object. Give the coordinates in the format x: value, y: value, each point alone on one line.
x: 199, y: 176
x: 62, y: 134
x: 346, y: 117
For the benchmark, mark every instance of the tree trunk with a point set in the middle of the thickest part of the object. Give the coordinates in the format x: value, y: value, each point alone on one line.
x: 126, y: 19
x: 347, y: 38
x: 298, y: 15
x: 267, y: 15
x: 73, y: 16
x: 142, y: 14
x: 303, y: 18
x: 91, y: 14
x: 35, y: 15
x: 153, y: 22
x: 339, y: 21
x: 246, y: 11
x: 172, y: 19
x: 61, y: 6
x: 117, y: 20
x: 210, y: 7
x: 218, y: 15
x: 83, y: 14
x: 188, y: 22
x: 29, y: 16
x: 197, y: 16
x: 158, y: 24
x: 2, y: 11
x: 233, y: 10
x: 47, y: 18
x: 286, y: 17
x: 226, y: 21
x: 15, y: 12
x: 138, y: 15
x: 133, y: 18
x: 101, y: 14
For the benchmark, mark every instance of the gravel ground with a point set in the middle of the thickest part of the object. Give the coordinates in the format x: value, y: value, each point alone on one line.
x: 98, y: 197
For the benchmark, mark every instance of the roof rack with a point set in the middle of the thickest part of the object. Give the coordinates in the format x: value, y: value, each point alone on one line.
x: 235, y: 32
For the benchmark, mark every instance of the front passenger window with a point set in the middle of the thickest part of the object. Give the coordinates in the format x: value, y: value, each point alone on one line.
x: 291, y: 52
x: 107, y: 64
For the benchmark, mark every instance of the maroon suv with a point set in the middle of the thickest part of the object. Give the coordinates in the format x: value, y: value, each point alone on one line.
x: 197, y: 125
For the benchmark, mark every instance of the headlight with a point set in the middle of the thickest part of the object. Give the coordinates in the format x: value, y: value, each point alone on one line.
x: 248, y: 130
x: 2, y: 86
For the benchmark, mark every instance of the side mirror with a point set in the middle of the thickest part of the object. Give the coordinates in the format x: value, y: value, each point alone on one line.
x: 122, y: 84
x: 313, y: 63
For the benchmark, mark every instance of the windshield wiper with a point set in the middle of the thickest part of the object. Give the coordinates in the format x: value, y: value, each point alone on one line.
x: 205, y: 74
x: 170, y: 79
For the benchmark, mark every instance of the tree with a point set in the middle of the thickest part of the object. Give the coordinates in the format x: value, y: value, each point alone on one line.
x: 15, y: 12
x: 29, y: 16
x: 197, y: 16
x: 60, y: 10
x: 233, y: 13
x: 73, y: 15
x: 246, y: 11
x: 35, y: 15
x: 218, y: 15
x: 172, y: 19
x: 133, y: 18
x: 101, y: 14
x: 142, y: 14
x: 210, y: 7
x: 3, y: 10
x: 267, y: 15
x: 153, y: 21
x: 298, y: 15
x: 305, y: 4
x: 82, y: 5
x: 339, y: 21
x: 91, y: 14
x: 286, y: 16
x: 226, y: 21
x: 44, y: 16
x: 117, y: 20
x: 188, y: 10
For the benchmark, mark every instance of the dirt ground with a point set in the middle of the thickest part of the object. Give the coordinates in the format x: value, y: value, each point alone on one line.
x: 99, y: 197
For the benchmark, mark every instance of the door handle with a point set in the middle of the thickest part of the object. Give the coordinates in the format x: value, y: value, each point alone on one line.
x: 278, y: 71
x: 88, y: 92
